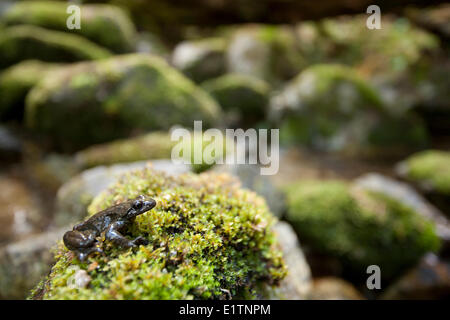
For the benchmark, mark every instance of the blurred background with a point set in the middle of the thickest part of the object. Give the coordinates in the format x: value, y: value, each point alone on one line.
x: 364, y: 119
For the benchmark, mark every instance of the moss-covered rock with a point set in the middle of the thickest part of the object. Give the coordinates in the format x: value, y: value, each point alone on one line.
x: 95, y: 102
x: 243, y: 95
x: 15, y: 82
x: 26, y: 42
x: 201, y: 59
x: 264, y: 51
x: 359, y: 227
x: 207, y: 237
x: 430, y: 169
x: 154, y: 145
x: 331, y: 107
x: 106, y: 25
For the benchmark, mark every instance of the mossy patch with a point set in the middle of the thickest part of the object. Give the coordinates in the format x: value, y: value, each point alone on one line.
x: 26, y: 42
x: 104, y: 100
x: 207, y: 236
x: 106, y: 25
x: 359, y: 227
x: 431, y: 169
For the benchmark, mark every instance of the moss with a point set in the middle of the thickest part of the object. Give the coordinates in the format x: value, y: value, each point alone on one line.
x: 105, y: 25
x: 155, y: 145
x: 201, y: 59
x: 430, y: 168
x: 246, y: 95
x: 15, y: 82
x: 130, y: 93
x: 24, y: 42
x: 359, y: 227
x: 206, y: 235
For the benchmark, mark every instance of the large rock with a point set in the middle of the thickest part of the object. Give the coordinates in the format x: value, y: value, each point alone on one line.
x: 200, y: 59
x: 243, y: 97
x: 429, y: 171
x: 263, y: 51
x: 24, y: 263
x: 75, y: 195
x: 16, y: 82
x: 359, y: 227
x: 105, y: 25
x: 208, y: 238
x: 125, y: 94
x: 331, y: 107
x: 25, y: 42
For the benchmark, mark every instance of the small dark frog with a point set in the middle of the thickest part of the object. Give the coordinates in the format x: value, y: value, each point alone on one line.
x: 83, y: 238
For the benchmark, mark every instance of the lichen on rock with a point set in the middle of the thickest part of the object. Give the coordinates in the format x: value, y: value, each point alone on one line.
x: 207, y: 237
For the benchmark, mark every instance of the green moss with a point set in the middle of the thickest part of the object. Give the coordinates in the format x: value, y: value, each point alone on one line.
x: 105, y: 25
x: 124, y: 94
x: 430, y: 168
x: 246, y: 95
x: 155, y: 145
x: 206, y: 235
x: 15, y: 82
x: 24, y: 42
x: 359, y: 227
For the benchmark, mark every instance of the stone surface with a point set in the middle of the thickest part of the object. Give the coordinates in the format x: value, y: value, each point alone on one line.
x: 330, y: 288
x: 24, y: 263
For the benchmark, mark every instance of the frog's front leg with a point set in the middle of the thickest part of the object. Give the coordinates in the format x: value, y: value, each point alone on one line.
x: 113, y: 234
x: 84, y: 253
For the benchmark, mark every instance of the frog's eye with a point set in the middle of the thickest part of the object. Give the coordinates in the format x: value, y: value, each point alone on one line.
x: 137, y: 204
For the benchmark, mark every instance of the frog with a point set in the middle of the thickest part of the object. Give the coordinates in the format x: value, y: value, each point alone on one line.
x: 83, y: 238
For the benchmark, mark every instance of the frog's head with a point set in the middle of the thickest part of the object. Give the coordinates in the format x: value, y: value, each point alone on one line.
x: 140, y: 205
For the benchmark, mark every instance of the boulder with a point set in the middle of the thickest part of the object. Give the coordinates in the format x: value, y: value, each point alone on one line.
x: 122, y: 95
x: 108, y: 26
x: 25, y: 42
x: 359, y: 227
x: 200, y: 59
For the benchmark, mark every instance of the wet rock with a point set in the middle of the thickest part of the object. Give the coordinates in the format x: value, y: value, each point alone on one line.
x: 106, y: 25
x: 430, y: 279
x: 200, y: 59
x: 429, y: 171
x: 15, y: 82
x: 297, y: 283
x: 25, y: 42
x: 330, y: 288
x: 24, y: 263
x: 122, y: 95
x: 266, y: 52
x: 20, y: 213
x: 359, y: 227
x: 408, y: 196
x: 242, y: 97
x: 74, y: 196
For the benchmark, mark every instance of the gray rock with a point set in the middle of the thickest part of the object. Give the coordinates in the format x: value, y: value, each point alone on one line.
x: 331, y: 288
x: 297, y: 284
x: 24, y: 263
x: 74, y: 196
x: 10, y: 145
